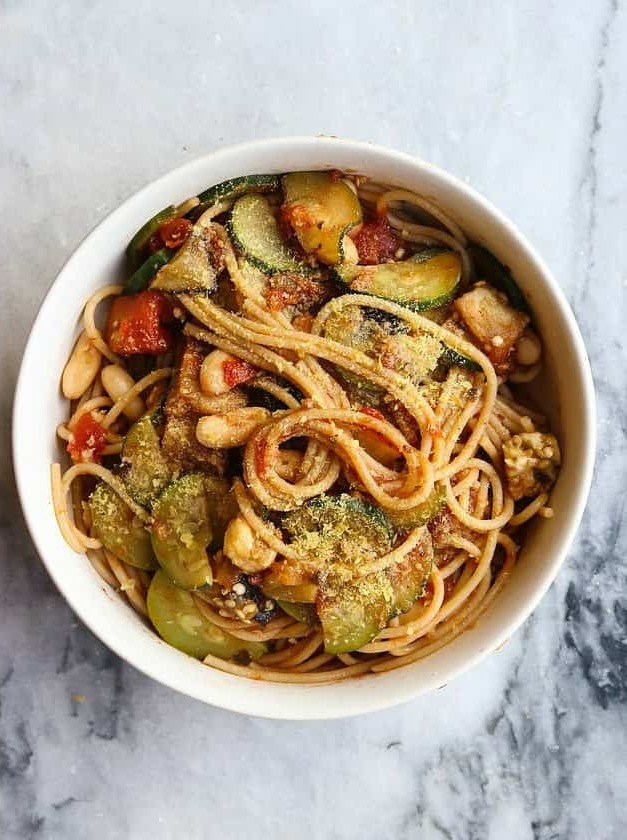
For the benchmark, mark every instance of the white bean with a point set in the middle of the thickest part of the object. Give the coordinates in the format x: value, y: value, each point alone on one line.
x: 212, y: 381
x: 116, y: 382
x: 528, y: 348
x: 245, y: 549
x: 81, y: 368
x: 223, y: 431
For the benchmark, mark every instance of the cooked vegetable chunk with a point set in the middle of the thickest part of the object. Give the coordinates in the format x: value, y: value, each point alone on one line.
x: 138, y: 245
x: 342, y: 530
x: 409, y: 578
x: 180, y: 623
x: 405, y: 520
x: 145, y: 470
x: 181, y: 532
x: 376, y: 242
x: 353, y: 611
x: 424, y: 281
x: 140, y: 279
x: 494, y: 324
x: 135, y: 324
x: 88, y: 441
x: 321, y: 210
x: 119, y: 530
x: 531, y: 460
x: 235, y: 187
x: 493, y: 271
x: 197, y: 263
x: 256, y: 233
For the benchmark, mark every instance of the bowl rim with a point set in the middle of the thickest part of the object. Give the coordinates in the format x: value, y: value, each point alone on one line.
x: 240, y: 702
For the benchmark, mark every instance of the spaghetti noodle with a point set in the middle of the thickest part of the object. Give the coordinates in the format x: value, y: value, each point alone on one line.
x: 353, y: 498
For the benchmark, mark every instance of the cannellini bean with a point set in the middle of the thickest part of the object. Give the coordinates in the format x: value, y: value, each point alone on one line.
x: 245, y: 549
x: 117, y: 382
x: 212, y: 381
x: 528, y: 348
x: 81, y: 368
x: 222, y: 431
x: 350, y: 251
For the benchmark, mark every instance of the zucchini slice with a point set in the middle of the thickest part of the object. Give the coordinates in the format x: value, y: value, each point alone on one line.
x: 321, y: 211
x: 181, y: 532
x: 352, y: 612
x: 256, y: 232
x: 136, y: 248
x: 425, y: 281
x: 192, y: 268
x: 489, y: 268
x: 139, y: 280
x: 181, y: 624
x: 236, y: 187
x: 119, y: 530
x: 338, y: 530
x: 305, y: 613
x: 144, y: 468
x: 405, y: 520
x: 409, y: 578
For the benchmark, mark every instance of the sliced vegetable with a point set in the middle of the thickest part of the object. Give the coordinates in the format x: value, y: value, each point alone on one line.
x: 119, y: 530
x: 405, y: 520
x: 175, y: 232
x: 236, y: 187
x: 305, y: 613
x: 352, y: 612
x: 494, y: 272
x: 145, y: 470
x: 181, y: 532
x: 256, y: 232
x: 181, y: 624
x: 301, y: 593
x: 140, y: 279
x: 135, y: 324
x: 338, y: 530
x: 195, y: 266
x: 321, y: 210
x: 424, y: 281
x: 88, y: 441
x: 494, y: 324
x: 409, y: 578
x: 136, y: 249
x: 453, y: 357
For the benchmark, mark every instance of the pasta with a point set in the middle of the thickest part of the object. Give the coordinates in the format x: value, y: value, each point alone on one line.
x: 327, y: 470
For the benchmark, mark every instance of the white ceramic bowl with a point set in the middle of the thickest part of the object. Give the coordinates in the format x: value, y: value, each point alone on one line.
x: 39, y: 407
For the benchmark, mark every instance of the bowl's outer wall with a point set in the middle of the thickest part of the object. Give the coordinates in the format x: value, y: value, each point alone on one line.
x: 99, y: 260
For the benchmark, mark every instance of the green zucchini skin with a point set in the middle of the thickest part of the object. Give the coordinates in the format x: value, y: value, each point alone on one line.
x: 254, y: 230
x: 425, y: 281
x: 136, y: 248
x: 140, y: 279
x: 489, y: 268
x: 181, y: 532
x: 327, y: 210
x: 176, y: 617
x: 118, y: 529
x: 145, y: 470
x: 236, y: 187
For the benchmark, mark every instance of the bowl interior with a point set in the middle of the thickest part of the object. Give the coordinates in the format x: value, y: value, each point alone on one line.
x: 565, y: 393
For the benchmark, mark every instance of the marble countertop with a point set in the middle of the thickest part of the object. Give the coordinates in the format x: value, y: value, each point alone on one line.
x: 528, y: 102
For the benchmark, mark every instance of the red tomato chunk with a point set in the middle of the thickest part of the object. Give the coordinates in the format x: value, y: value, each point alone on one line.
x: 88, y: 440
x: 175, y: 231
x: 135, y: 324
x: 376, y: 242
x: 237, y: 371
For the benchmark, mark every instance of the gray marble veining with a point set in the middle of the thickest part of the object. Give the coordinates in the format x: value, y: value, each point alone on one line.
x: 527, y: 101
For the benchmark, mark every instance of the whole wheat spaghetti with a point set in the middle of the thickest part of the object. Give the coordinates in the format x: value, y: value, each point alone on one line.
x: 298, y: 448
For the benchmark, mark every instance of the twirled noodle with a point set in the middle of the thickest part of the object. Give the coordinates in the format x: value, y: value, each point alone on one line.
x: 456, y: 449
